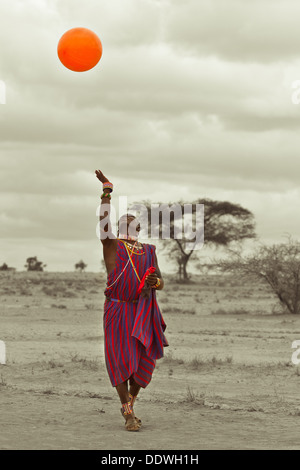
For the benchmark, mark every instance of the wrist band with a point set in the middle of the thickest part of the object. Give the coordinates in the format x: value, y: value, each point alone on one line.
x: 105, y: 195
x: 157, y: 283
x: 108, y: 185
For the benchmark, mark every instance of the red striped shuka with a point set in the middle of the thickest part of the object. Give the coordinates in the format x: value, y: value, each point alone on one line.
x: 133, y: 325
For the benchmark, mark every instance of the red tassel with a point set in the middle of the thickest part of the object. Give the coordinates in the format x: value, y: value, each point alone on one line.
x: 149, y: 271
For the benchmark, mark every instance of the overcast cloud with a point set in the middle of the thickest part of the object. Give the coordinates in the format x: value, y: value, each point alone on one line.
x: 191, y: 99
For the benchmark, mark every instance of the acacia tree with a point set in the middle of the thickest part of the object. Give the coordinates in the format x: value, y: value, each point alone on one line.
x: 277, y: 265
x: 224, y: 223
x: 80, y: 266
x: 32, y: 264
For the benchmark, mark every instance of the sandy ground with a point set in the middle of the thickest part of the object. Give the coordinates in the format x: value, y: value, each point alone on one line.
x: 226, y: 381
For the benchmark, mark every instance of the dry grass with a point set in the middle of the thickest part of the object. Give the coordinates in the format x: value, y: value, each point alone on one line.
x: 90, y: 364
x: 197, y: 362
x: 235, y: 311
x: 194, y: 397
x: 3, y: 382
x: 180, y: 310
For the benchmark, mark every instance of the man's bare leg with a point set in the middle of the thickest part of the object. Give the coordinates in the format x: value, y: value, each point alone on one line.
x: 133, y: 393
x: 122, y: 390
x: 131, y: 423
x: 134, y: 387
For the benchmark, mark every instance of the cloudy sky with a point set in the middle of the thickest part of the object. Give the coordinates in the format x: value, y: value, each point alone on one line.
x: 191, y: 98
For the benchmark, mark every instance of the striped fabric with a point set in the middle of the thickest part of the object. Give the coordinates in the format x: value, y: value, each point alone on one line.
x: 133, y: 331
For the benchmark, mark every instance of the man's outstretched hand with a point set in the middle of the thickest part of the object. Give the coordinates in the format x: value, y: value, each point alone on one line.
x: 101, y: 176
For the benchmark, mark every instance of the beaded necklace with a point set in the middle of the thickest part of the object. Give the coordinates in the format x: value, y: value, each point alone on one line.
x: 138, y: 252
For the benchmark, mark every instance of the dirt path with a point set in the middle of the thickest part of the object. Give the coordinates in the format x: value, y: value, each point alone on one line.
x: 38, y: 421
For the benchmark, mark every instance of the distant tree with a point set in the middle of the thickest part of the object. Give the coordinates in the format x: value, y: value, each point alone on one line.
x: 32, y: 264
x: 80, y: 266
x: 224, y: 223
x: 277, y: 265
x: 5, y: 267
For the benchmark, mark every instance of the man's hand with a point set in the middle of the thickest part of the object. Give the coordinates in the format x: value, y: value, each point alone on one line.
x: 101, y: 176
x: 152, y: 279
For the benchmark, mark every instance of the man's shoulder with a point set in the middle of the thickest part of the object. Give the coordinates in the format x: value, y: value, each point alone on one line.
x: 150, y: 245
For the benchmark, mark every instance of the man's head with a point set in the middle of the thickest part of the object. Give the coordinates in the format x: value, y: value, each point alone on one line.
x: 128, y: 225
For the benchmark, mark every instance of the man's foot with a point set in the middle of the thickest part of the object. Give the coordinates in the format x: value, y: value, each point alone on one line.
x: 131, y: 423
x: 138, y: 420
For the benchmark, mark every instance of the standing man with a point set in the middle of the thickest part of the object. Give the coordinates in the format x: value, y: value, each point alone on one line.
x: 133, y: 324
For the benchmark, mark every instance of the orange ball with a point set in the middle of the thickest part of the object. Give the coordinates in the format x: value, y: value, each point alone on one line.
x: 79, y: 49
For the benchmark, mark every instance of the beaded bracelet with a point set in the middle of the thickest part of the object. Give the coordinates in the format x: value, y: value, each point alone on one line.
x: 108, y: 185
x: 105, y: 195
x: 157, y: 283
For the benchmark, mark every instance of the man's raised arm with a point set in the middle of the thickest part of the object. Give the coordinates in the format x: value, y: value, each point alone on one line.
x: 106, y: 234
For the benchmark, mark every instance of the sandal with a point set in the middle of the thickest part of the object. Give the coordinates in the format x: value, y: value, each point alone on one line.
x: 138, y: 420
x: 131, y: 423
